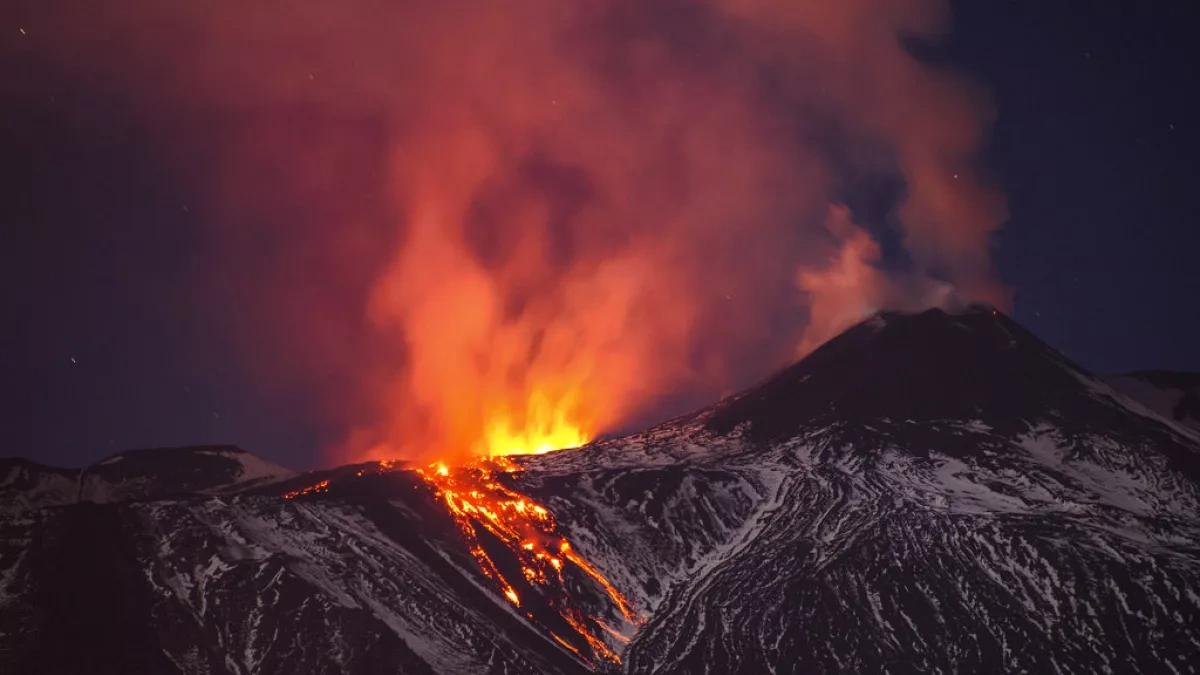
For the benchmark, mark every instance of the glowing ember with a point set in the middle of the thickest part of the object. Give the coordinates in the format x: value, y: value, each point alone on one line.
x: 380, y: 467
x: 479, y: 502
x: 323, y: 486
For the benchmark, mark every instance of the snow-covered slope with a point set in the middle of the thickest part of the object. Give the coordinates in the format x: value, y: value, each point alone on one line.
x: 1032, y: 558
x: 143, y: 474
x: 927, y: 492
x: 369, y: 579
x: 26, y: 485
x: 1174, y: 395
x: 135, y: 474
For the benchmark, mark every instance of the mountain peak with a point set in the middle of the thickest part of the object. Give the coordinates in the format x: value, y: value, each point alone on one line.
x: 975, y: 363
x: 146, y: 473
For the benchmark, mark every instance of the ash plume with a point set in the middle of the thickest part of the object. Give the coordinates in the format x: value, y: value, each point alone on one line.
x: 465, y: 225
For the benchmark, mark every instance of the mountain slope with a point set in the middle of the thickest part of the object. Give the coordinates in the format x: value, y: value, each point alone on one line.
x: 373, y: 580
x: 135, y: 474
x: 906, y: 563
x: 1174, y: 395
x: 957, y: 497
x: 927, y: 492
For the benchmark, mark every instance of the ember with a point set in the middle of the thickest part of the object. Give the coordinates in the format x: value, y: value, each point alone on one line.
x: 323, y: 486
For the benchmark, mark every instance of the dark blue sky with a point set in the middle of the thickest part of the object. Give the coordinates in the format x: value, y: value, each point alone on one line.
x: 1095, y: 146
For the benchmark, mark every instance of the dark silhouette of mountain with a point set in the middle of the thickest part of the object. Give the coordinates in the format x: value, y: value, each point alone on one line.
x: 1169, y: 393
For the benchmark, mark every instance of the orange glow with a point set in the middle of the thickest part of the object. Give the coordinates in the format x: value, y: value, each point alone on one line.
x: 508, y: 227
x: 553, y: 224
x: 616, y: 635
x: 566, y: 644
x: 622, y: 603
x: 547, y: 429
x: 322, y: 486
x: 478, y: 501
x: 380, y: 467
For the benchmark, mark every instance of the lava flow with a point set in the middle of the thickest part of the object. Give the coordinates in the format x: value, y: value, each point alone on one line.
x: 322, y: 486
x: 479, y: 502
x: 485, y: 506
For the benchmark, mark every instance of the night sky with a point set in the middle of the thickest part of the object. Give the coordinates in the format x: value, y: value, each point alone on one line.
x: 106, y: 346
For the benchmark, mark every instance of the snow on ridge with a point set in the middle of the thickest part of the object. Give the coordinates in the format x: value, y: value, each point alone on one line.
x: 257, y: 469
x: 1044, y: 472
x: 1162, y: 400
x: 678, y: 441
x: 775, y: 483
x: 48, y: 489
x: 998, y: 536
x: 309, y: 547
x: 1104, y: 391
x: 252, y: 468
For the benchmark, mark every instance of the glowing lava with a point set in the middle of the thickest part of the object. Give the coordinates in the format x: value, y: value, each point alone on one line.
x: 479, y: 502
x: 483, y: 506
x: 322, y: 486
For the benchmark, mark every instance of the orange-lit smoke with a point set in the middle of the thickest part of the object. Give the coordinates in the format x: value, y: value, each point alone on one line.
x: 561, y: 214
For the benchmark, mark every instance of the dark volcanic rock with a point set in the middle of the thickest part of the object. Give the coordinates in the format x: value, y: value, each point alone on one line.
x: 158, y: 473
x: 29, y: 485
x: 257, y: 584
x: 86, y: 600
x: 923, y: 367
x: 928, y: 492
x: 136, y: 474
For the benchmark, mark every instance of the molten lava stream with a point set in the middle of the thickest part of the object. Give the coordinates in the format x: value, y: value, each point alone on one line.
x: 322, y: 486
x: 481, y: 505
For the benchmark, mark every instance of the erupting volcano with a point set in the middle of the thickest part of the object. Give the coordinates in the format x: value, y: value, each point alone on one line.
x: 920, y: 492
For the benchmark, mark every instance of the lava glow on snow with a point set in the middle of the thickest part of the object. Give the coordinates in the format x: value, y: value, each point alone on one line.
x: 479, y: 502
x: 482, y: 504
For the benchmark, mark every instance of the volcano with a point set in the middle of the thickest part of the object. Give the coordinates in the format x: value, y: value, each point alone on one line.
x: 926, y: 492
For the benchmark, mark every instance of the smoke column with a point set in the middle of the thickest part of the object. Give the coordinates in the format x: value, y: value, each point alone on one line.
x: 469, y: 227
